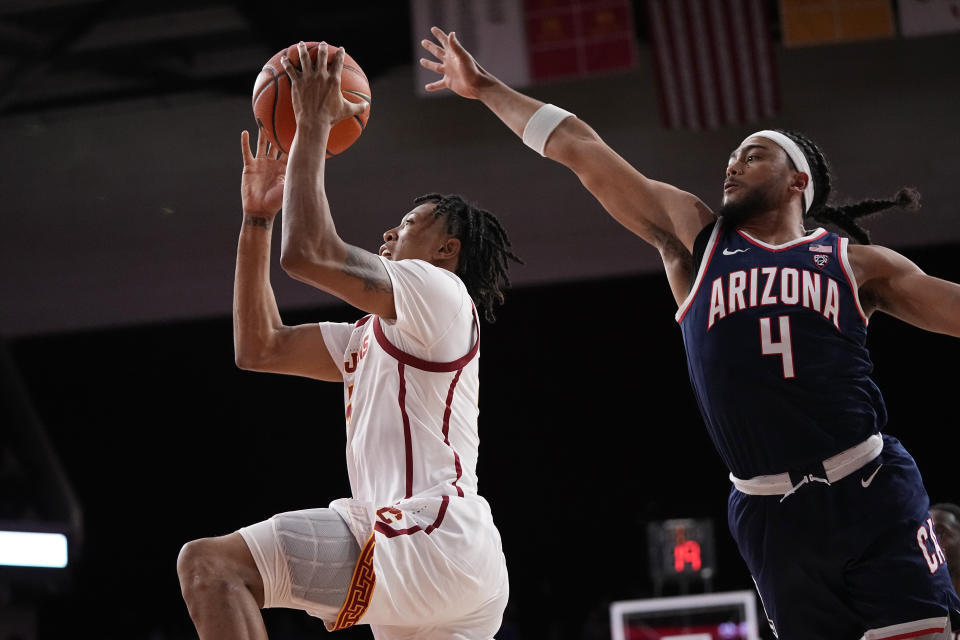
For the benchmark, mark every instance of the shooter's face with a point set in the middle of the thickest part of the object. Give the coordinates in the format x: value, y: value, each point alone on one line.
x: 419, y: 235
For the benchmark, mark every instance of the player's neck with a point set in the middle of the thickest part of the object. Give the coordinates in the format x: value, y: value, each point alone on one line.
x: 774, y: 227
x: 450, y: 264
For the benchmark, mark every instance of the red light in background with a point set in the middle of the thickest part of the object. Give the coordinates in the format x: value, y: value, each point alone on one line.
x: 686, y: 553
x: 681, y: 551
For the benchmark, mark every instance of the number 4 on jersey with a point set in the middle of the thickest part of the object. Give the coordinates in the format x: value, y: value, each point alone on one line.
x: 782, y: 348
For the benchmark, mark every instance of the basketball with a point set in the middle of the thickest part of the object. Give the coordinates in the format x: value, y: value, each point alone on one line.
x: 273, y: 108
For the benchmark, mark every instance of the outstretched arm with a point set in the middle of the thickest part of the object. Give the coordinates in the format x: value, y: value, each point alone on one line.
x: 312, y: 252
x: 663, y: 215
x: 261, y: 341
x: 891, y: 283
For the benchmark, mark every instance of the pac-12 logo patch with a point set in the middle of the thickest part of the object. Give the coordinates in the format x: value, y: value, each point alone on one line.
x: 821, y: 260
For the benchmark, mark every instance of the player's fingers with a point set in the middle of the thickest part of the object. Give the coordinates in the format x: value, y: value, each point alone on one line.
x: 433, y: 48
x: 262, y: 142
x: 323, y: 54
x: 356, y: 108
x: 431, y: 65
x: 292, y: 72
x: 338, y: 59
x: 436, y: 85
x: 306, y: 62
x: 454, y: 45
x: 245, y: 147
x: 439, y: 35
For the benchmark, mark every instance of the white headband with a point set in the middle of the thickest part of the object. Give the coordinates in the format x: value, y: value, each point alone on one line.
x: 798, y: 157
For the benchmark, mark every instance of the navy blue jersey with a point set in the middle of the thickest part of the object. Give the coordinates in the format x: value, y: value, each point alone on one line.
x: 776, y: 351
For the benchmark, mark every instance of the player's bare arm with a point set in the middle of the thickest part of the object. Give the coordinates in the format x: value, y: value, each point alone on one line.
x: 666, y: 217
x: 261, y: 341
x: 891, y: 283
x: 312, y: 252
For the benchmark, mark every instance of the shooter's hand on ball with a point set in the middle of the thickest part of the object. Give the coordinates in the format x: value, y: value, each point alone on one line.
x: 261, y: 187
x: 460, y: 71
x: 315, y: 91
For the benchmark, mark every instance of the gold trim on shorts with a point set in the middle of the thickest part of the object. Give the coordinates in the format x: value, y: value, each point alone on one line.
x: 360, y: 591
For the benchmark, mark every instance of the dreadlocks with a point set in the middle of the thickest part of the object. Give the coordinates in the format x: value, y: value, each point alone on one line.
x: 844, y: 217
x: 484, y: 249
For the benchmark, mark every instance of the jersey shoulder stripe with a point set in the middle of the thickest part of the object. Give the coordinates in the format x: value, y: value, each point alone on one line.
x: 425, y: 365
x: 844, y: 243
x: 704, y: 264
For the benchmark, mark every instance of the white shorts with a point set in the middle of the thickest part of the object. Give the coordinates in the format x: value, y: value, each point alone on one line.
x: 430, y: 567
x: 305, y: 558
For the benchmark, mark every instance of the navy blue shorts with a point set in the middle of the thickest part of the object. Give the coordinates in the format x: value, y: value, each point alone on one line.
x: 838, y: 561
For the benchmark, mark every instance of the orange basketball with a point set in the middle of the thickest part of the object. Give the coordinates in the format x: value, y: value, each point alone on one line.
x: 273, y: 108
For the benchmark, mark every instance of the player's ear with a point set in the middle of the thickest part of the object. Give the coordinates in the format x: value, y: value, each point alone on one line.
x: 450, y: 248
x: 800, y: 182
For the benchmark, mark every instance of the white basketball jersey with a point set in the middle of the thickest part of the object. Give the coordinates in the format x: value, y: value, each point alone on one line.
x: 411, y: 389
x: 431, y: 563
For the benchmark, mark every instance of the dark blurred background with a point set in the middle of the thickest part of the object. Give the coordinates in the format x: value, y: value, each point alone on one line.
x: 126, y: 424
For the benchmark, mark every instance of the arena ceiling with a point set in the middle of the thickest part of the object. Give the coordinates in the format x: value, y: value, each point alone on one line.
x: 66, y: 53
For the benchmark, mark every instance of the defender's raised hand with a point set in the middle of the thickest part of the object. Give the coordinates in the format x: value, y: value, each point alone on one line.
x: 315, y: 87
x: 460, y: 71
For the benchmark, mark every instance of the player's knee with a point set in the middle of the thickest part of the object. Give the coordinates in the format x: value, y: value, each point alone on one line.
x: 217, y: 568
x: 204, y: 571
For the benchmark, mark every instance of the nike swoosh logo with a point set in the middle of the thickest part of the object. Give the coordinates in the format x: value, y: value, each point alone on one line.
x: 865, y: 482
x: 727, y: 252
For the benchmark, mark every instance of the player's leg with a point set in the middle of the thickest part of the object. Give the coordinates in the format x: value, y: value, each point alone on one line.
x: 793, y: 560
x: 306, y: 560
x: 296, y: 560
x: 946, y: 634
x: 898, y: 579
x: 222, y: 588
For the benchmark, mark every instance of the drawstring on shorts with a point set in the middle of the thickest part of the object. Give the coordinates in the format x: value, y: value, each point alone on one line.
x: 807, y: 478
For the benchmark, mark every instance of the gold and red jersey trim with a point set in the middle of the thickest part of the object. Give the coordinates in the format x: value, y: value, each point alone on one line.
x: 361, y: 589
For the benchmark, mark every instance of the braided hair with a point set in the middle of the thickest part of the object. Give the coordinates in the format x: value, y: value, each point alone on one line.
x: 844, y: 217
x: 484, y: 249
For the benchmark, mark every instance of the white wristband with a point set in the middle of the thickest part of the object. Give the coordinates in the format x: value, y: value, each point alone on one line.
x: 541, y: 124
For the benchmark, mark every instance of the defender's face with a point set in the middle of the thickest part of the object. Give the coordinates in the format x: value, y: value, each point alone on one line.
x: 419, y: 234
x: 758, y: 164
